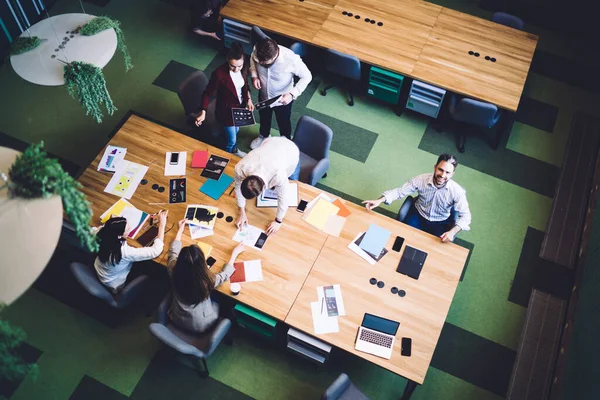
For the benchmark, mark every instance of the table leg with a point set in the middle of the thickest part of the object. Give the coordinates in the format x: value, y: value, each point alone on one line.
x: 408, y: 390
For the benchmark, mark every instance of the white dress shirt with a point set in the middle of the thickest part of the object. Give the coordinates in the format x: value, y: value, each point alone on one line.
x: 114, y: 275
x: 278, y: 79
x: 433, y: 203
x: 273, y: 162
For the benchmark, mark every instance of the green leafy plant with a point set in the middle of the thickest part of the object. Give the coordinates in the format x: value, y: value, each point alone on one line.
x: 23, y: 44
x: 100, y: 24
x: 35, y: 175
x: 12, y: 366
x: 88, y: 82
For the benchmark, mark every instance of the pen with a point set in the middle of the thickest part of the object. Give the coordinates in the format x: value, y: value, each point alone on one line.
x: 156, y: 204
x: 322, y: 303
x: 231, y: 191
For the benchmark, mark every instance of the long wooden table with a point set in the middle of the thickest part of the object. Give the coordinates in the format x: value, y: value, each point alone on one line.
x: 299, y: 258
x: 417, y: 39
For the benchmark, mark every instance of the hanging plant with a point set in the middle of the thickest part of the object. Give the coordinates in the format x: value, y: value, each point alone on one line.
x: 100, y: 24
x: 12, y: 366
x: 23, y: 44
x: 88, y: 82
x: 35, y: 175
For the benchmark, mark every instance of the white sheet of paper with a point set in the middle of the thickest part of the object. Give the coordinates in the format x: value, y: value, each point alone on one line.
x: 334, y: 225
x: 360, y: 251
x: 133, y: 217
x: 322, y: 323
x: 314, y: 201
x: 248, y: 235
x: 197, y: 232
x: 338, y: 298
x: 177, y: 169
x: 253, y: 271
x: 126, y: 179
x: 290, y: 197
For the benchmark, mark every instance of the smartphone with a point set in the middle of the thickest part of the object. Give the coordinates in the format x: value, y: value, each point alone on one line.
x: 302, y: 206
x: 261, y: 240
x: 174, y: 158
x: 148, y: 237
x: 398, y: 243
x: 330, y: 301
x: 210, y: 261
x: 406, y: 346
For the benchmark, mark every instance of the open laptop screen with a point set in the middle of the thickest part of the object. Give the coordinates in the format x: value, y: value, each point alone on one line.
x: 379, y: 324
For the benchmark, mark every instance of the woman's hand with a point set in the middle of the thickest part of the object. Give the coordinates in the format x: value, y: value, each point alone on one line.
x: 250, y: 105
x: 200, y: 118
x: 162, y: 219
x: 181, y: 229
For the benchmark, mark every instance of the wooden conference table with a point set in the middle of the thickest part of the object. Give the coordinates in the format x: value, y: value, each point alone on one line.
x: 417, y: 39
x: 299, y: 257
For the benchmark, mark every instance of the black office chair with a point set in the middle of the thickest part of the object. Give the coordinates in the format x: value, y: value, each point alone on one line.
x: 343, y: 389
x: 345, y: 66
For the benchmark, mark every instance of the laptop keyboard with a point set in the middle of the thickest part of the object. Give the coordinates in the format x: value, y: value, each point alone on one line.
x: 376, y: 338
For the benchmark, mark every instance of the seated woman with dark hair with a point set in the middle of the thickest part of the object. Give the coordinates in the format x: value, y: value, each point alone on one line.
x: 115, y: 257
x: 192, y: 281
x: 205, y: 17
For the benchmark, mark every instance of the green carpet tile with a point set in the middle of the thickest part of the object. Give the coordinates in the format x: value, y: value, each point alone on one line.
x: 85, y: 351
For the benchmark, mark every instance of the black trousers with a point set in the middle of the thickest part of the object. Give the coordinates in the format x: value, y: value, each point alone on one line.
x: 282, y: 114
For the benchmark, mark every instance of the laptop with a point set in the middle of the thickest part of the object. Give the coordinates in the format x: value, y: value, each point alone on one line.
x: 412, y: 261
x: 376, y: 335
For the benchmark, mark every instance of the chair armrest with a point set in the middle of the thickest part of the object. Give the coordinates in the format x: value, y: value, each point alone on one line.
x: 337, y: 388
x: 217, y: 335
x: 167, y: 337
x: 318, y: 171
x: 87, y: 278
x: 403, y: 211
x: 163, y: 308
x: 133, y: 290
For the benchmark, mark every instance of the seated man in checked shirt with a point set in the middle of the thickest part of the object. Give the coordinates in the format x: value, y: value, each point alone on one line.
x: 438, y: 195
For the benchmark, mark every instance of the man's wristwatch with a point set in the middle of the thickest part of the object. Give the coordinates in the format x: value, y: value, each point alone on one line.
x: 278, y: 220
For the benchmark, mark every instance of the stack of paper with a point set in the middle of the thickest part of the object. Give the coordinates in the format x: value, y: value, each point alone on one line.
x: 113, y: 155
x: 135, y: 218
x: 201, y: 220
x: 327, y: 214
x: 247, y: 271
x: 249, y: 235
x: 126, y: 179
x: 369, y: 257
x: 268, y: 198
x: 323, y: 320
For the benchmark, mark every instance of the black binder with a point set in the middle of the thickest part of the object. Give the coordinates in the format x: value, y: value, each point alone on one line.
x: 412, y: 261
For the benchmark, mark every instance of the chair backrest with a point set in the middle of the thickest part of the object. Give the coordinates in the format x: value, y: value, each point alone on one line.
x: 313, y: 137
x: 258, y: 34
x: 342, y: 64
x: 299, y: 48
x: 343, y: 388
x: 508, y: 20
x: 475, y: 112
x: 88, y: 279
x: 190, y: 91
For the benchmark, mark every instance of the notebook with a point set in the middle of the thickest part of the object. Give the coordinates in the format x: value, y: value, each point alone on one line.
x: 216, y: 188
x: 199, y: 158
x: 412, y: 261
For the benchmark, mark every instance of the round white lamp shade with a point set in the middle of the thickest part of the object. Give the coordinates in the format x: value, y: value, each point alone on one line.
x: 29, y: 233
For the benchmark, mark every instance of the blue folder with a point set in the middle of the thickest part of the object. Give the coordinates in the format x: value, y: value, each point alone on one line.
x: 375, y: 239
x: 215, y: 189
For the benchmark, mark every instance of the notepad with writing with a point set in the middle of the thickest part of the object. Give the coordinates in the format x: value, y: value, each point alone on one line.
x: 199, y: 158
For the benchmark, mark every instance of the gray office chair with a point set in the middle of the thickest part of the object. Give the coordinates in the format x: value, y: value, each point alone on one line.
x: 258, y: 34
x: 474, y: 112
x: 508, y: 20
x: 190, y: 92
x: 299, y: 48
x: 196, y: 346
x: 343, y: 389
x: 87, y: 278
x: 313, y: 138
x: 345, y: 66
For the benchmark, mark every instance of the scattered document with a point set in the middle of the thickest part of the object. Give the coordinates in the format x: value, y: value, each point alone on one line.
x: 214, y: 167
x: 202, y: 216
x: 343, y: 212
x: 316, y: 199
x: 319, y: 213
x: 321, y: 321
x: 249, y: 235
x: 135, y: 218
x: 370, y: 258
x: 175, y: 169
x: 269, y: 197
x: 198, y: 232
x: 126, y: 179
x: 247, y: 271
x: 113, y: 155
x: 334, y: 224
x: 375, y: 239
x: 216, y: 188
x: 341, y: 311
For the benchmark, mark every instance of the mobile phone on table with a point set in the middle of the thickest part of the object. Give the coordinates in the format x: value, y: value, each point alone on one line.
x: 398, y: 243
x: 174, y: 158
x: 406, y: 347
x: 302, y: 205
x: 148, y: 237
x: 261, y: 240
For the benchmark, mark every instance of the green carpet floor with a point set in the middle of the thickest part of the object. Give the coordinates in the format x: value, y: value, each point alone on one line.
x: 509, y: 193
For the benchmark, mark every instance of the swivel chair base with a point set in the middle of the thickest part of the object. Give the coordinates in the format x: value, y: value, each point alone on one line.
x: 351, y: 96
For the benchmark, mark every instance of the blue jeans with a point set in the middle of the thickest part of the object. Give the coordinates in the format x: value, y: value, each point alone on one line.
x: 436, y: 228
x: 296, y: 174
x: 231, y: 135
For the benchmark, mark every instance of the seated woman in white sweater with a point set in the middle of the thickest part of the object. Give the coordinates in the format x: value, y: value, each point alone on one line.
x: 192, y: 308
x: 115, y: 257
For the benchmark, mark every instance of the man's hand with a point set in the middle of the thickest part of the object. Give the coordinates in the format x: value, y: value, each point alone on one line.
x: 286, y: 99
x: 449, y: 236
x: 256, y: 83
x: 273, y: 228
x: 242, y: 219
x: 371, y: 204
x: 250, y: 105
x: 200, y: 118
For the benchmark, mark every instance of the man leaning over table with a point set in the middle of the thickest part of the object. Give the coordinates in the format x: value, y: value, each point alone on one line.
x: 266, y: 167
x: 273, y: 68
x: 438, y: 196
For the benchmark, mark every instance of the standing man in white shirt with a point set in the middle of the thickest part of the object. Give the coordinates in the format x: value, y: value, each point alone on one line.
x: 267, y: 167
x: 273, y: 68
x: 438, y: 196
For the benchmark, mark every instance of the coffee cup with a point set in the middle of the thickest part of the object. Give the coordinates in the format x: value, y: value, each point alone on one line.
x: 235, y: 288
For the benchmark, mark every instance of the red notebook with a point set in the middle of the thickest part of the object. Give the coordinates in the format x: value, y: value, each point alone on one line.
x: 239, y: 275
x: 199, y: 158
